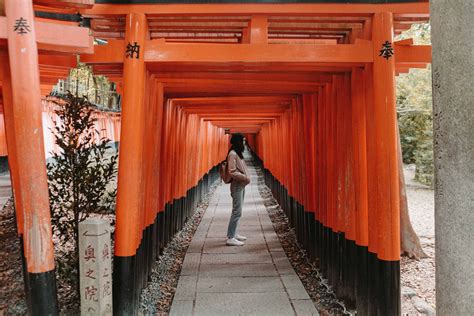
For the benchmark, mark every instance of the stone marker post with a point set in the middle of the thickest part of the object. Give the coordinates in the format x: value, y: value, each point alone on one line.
x: 95, y: 267
x: 452, y: 23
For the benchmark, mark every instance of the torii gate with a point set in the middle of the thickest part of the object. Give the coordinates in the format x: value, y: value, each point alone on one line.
x: 22, y: 71
x: 196, y: 77
x: 177, y: 90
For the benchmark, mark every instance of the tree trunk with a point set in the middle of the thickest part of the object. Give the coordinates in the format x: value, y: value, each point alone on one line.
x: 409, y: 241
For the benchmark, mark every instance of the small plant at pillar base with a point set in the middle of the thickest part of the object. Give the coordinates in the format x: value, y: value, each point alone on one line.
x: 80, y: 175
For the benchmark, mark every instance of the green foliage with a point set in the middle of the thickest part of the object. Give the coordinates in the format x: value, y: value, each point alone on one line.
x: 414, y: 107
x: 413, y: 126
x: 78, y: 177
x: 424, y: 158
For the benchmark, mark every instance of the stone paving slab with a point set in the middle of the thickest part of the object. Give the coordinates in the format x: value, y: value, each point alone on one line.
x: 304, y: 307
x: 202, y: 233
x: 243, y: 270
x: 182, y: 308
x: 272, y: 237
x: 196, y: 246
x: 293, y: 286
x: 204, y: 225
x: 274, y: 246
x: 265, y: 221
x: 191, y: 264
x: 282, y: 263
x: 268, y: 228
x: 186, y: 288
x: 221, y: 240
x: 240, y: 285
x: 233, y: 258
x: 254, y: 279
x: 243, y: 304
x: 222, y: 248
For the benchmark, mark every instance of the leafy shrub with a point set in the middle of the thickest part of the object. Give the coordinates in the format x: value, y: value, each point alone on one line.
x: 424, y: 157
x: 78, y: 176
x: 414, y: 127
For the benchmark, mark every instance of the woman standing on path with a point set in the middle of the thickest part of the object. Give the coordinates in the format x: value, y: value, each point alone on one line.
x: 240, y: 178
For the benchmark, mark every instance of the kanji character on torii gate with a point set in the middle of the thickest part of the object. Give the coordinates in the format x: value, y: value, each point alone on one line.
x: 191, y: 71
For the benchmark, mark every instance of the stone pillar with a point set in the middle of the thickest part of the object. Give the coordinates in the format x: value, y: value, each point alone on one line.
x: 95, y: 267
x: 453, y: 109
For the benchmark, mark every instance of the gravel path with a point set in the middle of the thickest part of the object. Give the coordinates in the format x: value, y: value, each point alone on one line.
x: 418, y: 277
x: 12, y: 291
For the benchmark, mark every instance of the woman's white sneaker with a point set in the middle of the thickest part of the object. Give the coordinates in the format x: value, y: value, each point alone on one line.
x: 234, y: 242
x: 240, y: 238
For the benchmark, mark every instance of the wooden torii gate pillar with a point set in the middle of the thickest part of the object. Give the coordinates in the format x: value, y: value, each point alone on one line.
x: 384, y: 222
x: 30, y: 158
x: 20, y: 76
x: 130, y: 198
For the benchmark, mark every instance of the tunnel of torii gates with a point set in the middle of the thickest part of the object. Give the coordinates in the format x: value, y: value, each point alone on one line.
x: 312, y: 86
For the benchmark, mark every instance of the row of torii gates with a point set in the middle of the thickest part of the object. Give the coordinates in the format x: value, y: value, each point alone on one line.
x: 311, y: 85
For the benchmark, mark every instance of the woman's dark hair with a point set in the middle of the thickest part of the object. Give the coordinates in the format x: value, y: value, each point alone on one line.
x: 237, y: 142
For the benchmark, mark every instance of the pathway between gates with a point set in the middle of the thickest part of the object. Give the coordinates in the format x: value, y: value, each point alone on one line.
x: 255, y: 279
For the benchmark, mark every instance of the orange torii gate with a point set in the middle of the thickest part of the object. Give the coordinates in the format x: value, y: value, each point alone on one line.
x: 327, y: 139
x: 32, y: 58
x: 312, y: 86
